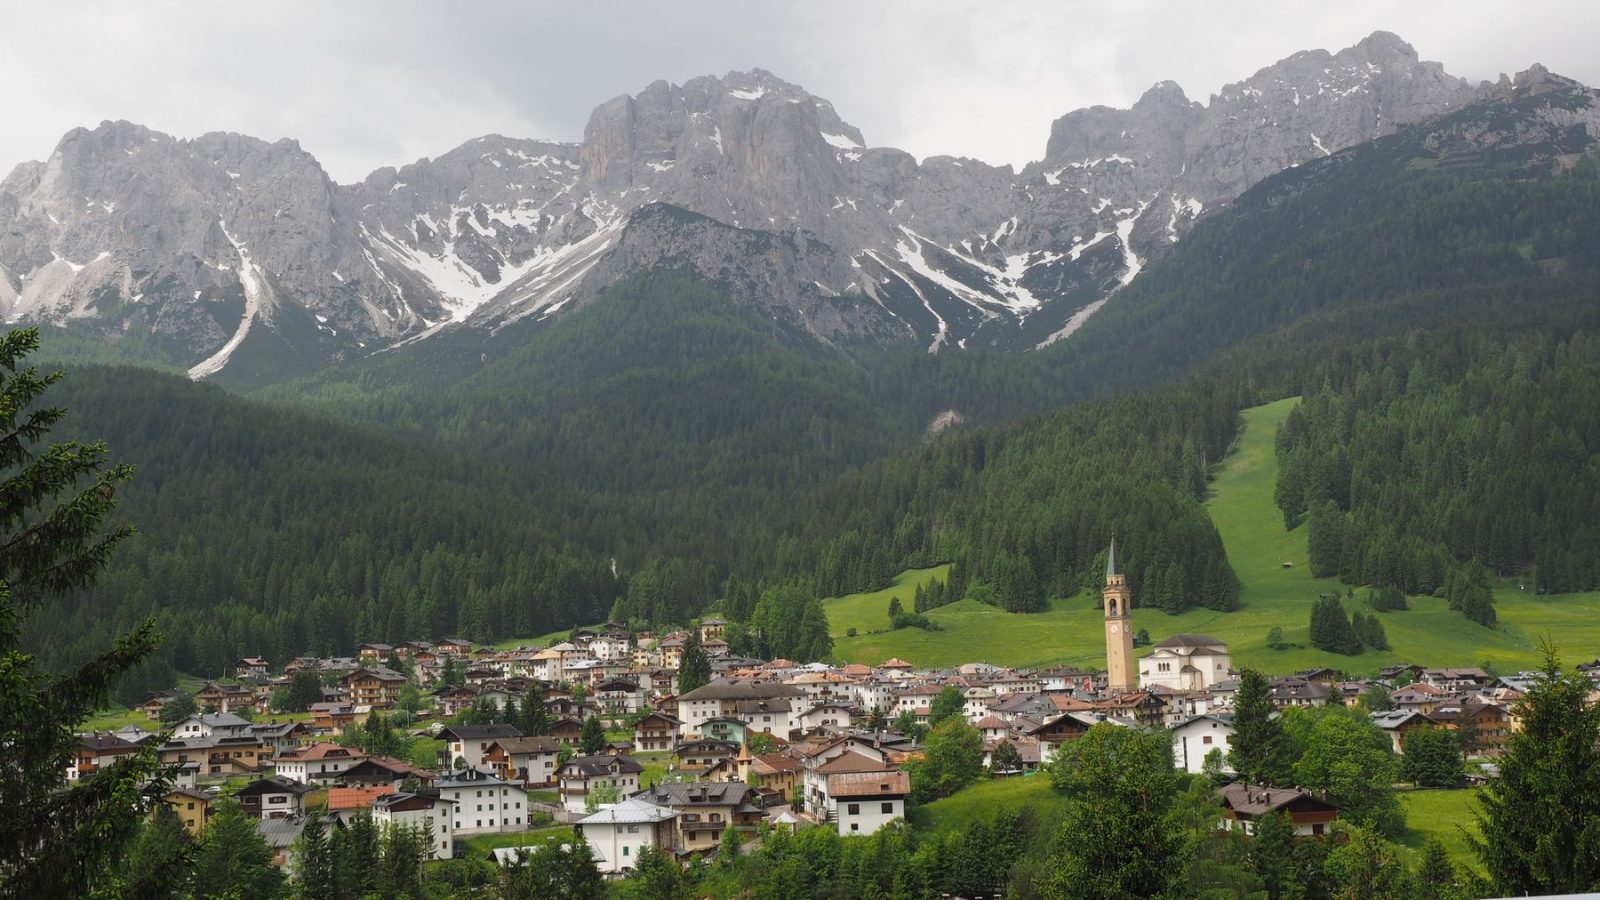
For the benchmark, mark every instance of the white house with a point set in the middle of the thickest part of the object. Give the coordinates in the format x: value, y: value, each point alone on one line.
x: 837, y: 715
x: 204, y: 725
x: 468, y: 744
x: 1185, y: 662
x: 819, y: 770
x: 418, y: 811
x: 1195, y: 739
x: 618, y: 831
x: 318, y: 762
x: 484, y: 802
x: 582, y: 775
x: 867, y: 801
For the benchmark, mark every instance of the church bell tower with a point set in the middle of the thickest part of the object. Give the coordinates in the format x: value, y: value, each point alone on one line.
x: 1121, y: 674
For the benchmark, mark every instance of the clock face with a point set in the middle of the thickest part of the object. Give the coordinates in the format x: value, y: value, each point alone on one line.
x: 1113, y: 628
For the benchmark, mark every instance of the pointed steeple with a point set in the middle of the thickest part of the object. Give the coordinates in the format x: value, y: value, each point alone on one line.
x: 1111, y: 559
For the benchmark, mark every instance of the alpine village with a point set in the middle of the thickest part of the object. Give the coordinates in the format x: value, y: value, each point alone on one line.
x: 723, y: 507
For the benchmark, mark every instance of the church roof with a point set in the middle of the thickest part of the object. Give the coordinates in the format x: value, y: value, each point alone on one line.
x: 1191, y: 640
x: 1111, y: 560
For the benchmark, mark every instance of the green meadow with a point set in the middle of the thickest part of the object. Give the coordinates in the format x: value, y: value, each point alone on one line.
x: 1274, y: 594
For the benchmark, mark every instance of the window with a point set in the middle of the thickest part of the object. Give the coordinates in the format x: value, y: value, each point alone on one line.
x: 888, y: 809
x: 854, y: 827
x: 625, y: 849
x: 855, y: 809
x: 1206, y: 740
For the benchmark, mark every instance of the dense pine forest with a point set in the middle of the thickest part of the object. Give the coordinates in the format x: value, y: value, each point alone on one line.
x: 1418, y: 456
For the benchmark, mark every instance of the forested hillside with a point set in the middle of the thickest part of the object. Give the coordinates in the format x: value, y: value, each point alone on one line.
x: 1416, y: 456
x: 266, y: 530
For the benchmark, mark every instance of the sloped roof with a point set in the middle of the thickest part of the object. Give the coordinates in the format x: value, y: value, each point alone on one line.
x: 850, y: 762
x: 869, y: 784
x: 1190, y: 640
x: 632, y: 811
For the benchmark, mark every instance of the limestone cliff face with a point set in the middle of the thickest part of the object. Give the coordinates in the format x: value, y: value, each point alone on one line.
x: 224, y: 241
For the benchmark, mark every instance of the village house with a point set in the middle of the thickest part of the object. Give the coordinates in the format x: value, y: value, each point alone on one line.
x: 774, y: 774
x: 211, y: 725
x: 374, y: 688
x: 583, y: 775
x: 619, y: 696
x: 836, y: 715
x: 217, y: 757
x: 699, y: 755
x: 1054, y: 732
x: 225, y: 698
x: 281, y: 737
x: 192, y: 807
x: 1243, y: 804
x: 465, y: 745
x: 272, y: 798
x: 1287, y: 692
x: 282, y: 836
x: 1194, y: 740
x: 529, y: 761
x: 725, y: 728
x: 330, y: 716
x: 617, y: 832
x: 321, y: 762
x: 96, y: 750
x: 656, y: 731
x: 373, y: 653
x: 418, y: 811
x: 377, y: 771
x: 818, y: 801
x: 705, y: 810
x: 483, y: 802
x: 867, y: 801
x: 763, y: 704
x: 1397, y: 724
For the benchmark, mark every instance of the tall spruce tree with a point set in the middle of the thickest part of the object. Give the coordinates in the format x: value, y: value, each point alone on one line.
x: 55, y: 506
x: 1258, y: 751
x: 1540, y: 820
x: 234, y: 860
x: 314, y: 862
x: 592, y: 740
x: 695, y: 668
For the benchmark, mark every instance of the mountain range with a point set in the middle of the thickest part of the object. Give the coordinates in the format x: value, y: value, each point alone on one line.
x: 226, y: 253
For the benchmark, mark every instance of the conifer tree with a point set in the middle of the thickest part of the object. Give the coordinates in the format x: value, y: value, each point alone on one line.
x: 695, y: 668
x: 55, y: 505
x: 1538, y: 818
x: 234, y: 859
x: 1258, y: 751
x: 535, y: 719
x: 357, y: 850
x: 592, y: 740
x: 314, y: 862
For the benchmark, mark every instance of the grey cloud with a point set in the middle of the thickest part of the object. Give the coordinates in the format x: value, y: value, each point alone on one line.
x: 367, y: 84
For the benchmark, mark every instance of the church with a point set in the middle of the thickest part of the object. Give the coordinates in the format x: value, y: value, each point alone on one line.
x: 1183, y: 662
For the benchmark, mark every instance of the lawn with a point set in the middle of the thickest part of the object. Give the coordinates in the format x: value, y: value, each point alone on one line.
x: 983, y: 801
x: 479, y: 845
x: 1442, y: 815
x: 1252, y: 530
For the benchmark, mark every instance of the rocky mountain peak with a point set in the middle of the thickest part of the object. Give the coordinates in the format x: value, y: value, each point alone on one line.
x: 214, y: 243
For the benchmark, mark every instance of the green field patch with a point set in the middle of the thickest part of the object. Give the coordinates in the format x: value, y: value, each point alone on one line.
x: 1445, y: 815
x: 982, y: 802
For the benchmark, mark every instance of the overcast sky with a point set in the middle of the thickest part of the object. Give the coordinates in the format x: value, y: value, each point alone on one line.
x: 366, y: 84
